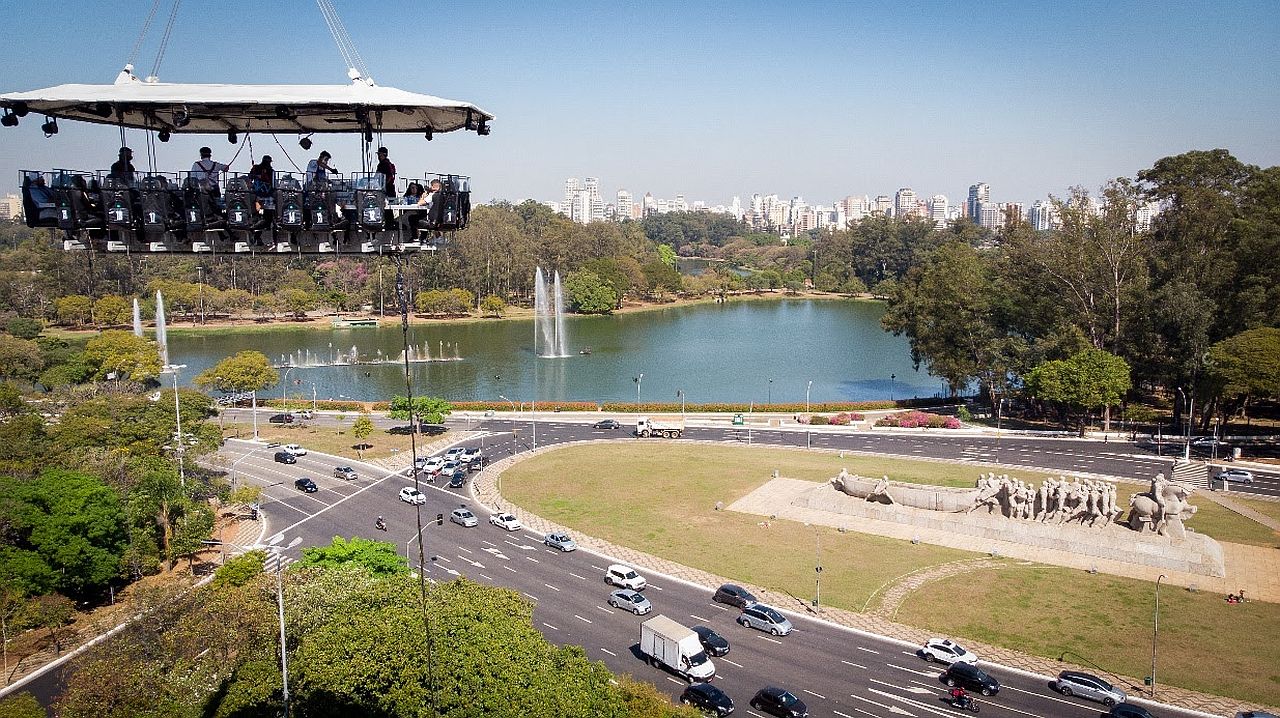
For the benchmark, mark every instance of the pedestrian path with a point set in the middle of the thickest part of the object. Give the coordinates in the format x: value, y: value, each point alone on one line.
x: 485, y: 491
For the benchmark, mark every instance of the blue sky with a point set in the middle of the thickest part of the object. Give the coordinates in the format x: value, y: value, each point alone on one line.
x: 714, y: 99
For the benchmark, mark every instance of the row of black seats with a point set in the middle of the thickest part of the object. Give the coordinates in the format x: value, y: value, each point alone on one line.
x: 159, y: 207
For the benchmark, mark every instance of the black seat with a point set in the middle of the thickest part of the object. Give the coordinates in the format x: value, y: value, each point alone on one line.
x: 291, y: 212
x: 201, y: 210
x: 319, y: 202
x: 120, y: 202
x: 32, y: 212
x: 161, y: 206
x: 242, y: 207
x: 76, y: 208
x: 371, y: 206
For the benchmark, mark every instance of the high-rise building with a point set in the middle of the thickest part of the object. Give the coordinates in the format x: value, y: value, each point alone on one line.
x: 1013, y: 213
x: 1044, y: 216
x: 855, y: 208
x: 650, y: 205
x: 571, y: 190
x: 979, y: 194
x: 11, y: 206
x: 882, y: 205
x: 735, y: 208
x: 622, y: 210
x: 904, y: 203
x: 938, y: 209
x: 1145, y: 215
x: 990, y: 215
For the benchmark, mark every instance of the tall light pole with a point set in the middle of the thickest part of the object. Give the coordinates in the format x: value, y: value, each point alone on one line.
x: 999, y: 413
x: 284, y: 656
x: 680, y: 395
x: 200, y: 269
x: 817, y: 565
x: 512, y: 403
x: 638, y: 380
x: 893, y: 381
x: 770, y: 396
x: 807, y: 388
x: 313, y: 397
x: 1191, y: 407
x: 284, y: 388
x: 1155, y: 632
x: 255, y: 414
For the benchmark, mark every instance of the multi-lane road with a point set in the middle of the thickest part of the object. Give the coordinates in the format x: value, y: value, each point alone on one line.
x: 836, y: 671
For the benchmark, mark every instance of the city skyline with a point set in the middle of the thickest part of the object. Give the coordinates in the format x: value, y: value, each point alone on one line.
x: 1033, y: 98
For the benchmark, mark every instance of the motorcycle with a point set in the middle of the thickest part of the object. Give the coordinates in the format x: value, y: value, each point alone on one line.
x: 965, y: 703
x: 380, y: 525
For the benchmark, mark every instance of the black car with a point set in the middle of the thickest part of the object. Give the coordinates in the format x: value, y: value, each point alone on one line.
x: 734, y: 596
x: 715, y: 644
x: 458, y: 478
x: 778, y: 702
x: 1129, y: 710
x: 284, y: 457
x: 707, y: 698
x: 306, y: 485
x: 281, y: 419
x: 607, y: 424
x: 971, y: 678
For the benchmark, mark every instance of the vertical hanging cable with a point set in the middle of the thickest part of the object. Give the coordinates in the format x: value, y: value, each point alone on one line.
x: 346, y: 47
x: 164, y: 39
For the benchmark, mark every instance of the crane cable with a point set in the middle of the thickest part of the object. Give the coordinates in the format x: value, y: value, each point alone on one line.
x: 146, y: 26
x: 164, y: 39
x: 346, y: 46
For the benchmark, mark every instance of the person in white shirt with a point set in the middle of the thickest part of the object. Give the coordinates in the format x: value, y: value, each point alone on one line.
x: 208, y: 172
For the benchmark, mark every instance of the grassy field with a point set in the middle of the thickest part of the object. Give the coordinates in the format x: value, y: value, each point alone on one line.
x: 661, y: 499
x: 1224, y: 524
x: 1205, y: 643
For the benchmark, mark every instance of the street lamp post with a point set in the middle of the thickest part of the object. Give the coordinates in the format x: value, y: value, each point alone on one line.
x: 179, y: 442
x: 807, y: 388
x: 284, y: 388
x: 255, y: 414
x: 1191, y: 407
x: 893, y: 380
x: 200, y: 269
x: 680, y: 394
x: 638, y: 380
x: 1155, y: 632
x: 284, y: 656
x: 817, y: 566
x: 999, y: 415
x: 313, y: 397
x: 512, y: 403
x: 770, y: 396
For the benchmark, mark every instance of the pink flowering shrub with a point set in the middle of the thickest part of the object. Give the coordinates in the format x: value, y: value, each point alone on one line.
x: 919, y: 420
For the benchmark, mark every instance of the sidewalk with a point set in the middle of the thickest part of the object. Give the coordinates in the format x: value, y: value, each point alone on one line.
x: 484, y: 488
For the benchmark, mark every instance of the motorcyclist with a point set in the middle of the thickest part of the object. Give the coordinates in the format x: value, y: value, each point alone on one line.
x: 959, y: 697
x: 380, y: 524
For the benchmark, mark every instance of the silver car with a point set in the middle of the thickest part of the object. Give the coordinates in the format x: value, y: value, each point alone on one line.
x: 765, y: 618
x: 633, y: 601
x: 463, y: 517
x: 1075, y: 683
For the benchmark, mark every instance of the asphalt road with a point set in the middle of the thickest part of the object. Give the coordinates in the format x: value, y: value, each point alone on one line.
x: 836, y: 671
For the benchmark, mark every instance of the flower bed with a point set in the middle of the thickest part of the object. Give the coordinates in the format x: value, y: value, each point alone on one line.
x: 919, y: 420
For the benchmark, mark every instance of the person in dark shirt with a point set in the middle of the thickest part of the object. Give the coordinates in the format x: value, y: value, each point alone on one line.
x: 263, y: 176
x: 122, y: 169
x: 388, y: 171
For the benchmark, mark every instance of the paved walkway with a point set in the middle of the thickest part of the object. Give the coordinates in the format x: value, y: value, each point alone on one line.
x: 485, y: 490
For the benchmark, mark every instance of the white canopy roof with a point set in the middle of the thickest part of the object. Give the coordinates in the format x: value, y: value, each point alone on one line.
x: 214, y: 109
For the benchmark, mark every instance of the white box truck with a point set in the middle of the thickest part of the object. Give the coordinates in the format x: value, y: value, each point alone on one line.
x: 666, y: 643
x: 670, y: 428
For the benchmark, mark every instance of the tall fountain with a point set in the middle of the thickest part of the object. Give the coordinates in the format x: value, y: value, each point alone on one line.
x: 162, y: 331
x: 549, y: 337
x: 137, y: 318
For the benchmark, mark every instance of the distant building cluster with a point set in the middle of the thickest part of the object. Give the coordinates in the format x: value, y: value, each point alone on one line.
x: 769, y: 213
x: 11, y: 207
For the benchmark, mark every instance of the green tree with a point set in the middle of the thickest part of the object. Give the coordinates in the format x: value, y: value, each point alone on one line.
x: 492, y: 305
x: 112, y: 310
x: 361, y: 429
x: 124, y: 354
x: 240, y: 570
x: 66, y: 533
x: 19, y: 358
x: 22, y: 705
x: 429, y: 409
x: 1246, y: 366
x: 248, y: 370
x: 11, y: 403
x: 298, y: 301
x: 23, y: 327
x: 378, y: 557
x: 662, y: 277
x: 74, y: 310
x: 1091, y: 379
x: 589, y: 294
x: 667, y: 255
x: 53, y: 611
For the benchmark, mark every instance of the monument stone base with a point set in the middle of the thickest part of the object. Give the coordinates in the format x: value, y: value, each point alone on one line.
x: 1195, y: 554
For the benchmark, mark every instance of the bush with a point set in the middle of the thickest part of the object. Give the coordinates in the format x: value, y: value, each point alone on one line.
x: 818, y: 420
x: 24, y: 328
x: 919, y: 420
x: 240, y: 570
x: 963, y: 414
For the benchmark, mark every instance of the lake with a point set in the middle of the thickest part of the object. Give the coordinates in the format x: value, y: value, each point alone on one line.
x: 761, y: 351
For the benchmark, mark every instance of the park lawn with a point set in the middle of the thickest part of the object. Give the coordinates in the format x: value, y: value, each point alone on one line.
x: 1205, y: 643
x: 1269, y: 508
x: 660, y: 498
x: 1223, y: 524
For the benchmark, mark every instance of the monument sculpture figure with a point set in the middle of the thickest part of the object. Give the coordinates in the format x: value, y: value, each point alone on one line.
x: 1163, y: 508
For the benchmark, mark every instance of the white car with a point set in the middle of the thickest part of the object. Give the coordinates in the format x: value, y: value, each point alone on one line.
x: 1238, y: 475
x: 411, y: 495
x: 506, y: 521
x: 431, y: 466
x: 295, y: 449
x: 463, y: 517
x: 945, y: 650
x: 624, y: 577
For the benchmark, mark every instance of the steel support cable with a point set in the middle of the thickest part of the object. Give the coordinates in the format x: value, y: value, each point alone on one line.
x: 164, y: 39
x: 332, y: 22
x: 146, y: 27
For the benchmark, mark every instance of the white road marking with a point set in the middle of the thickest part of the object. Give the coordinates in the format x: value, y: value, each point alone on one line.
x: 571, y: 573
x: 512, y: 570
x: 819, y: 695
x: 1040, y: 695
x: 656, y: 588
x: 446, y: 559
x: 891, y: 709
x: 533, y: 559
x: 699, y: 618
x: 488, y: 578
x: 553, y: 588
x: 460, y: 548
x: 487, y: 543
x: 580, y: 618
x: 606, y: 610
x: 772, y: 640
x: 855, y: 665
x: 530, y: 595
x: 927, y: 674
x: 606, y: 650
x: 726, y: 660
x: 679, y: 683
x: 868, y: 650
x: 722, y: 608
x: 548, y: 625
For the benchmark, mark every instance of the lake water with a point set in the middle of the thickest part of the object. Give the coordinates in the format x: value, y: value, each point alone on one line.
x: 757, y: 351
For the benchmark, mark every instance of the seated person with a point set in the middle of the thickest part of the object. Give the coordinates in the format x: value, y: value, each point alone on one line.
x: 412, y: 193
x: 122, y: 169
x: 262, y: 178
x: 43, y: 197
